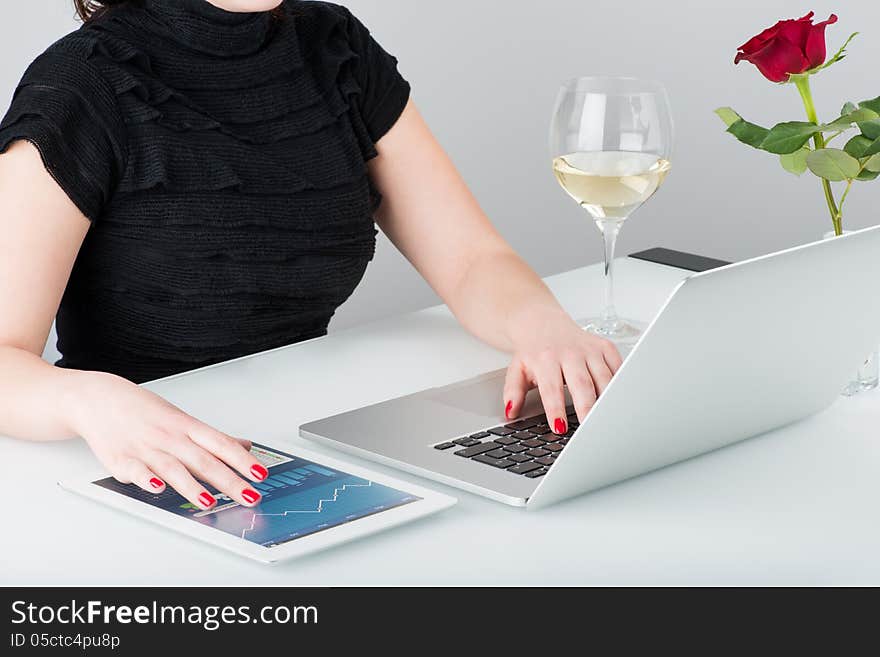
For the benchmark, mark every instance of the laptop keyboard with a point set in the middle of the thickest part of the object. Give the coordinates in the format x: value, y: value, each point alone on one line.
x: 526, y: 447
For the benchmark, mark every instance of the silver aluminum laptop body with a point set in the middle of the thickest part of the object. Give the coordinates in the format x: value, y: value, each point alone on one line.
x: 734, y: 352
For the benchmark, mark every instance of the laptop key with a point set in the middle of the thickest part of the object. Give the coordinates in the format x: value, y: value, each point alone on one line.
x: 523, y: 435
x: 534, y: 474
x: 475, y: 450
x: 516, y: 448
x: 546, y: 460
x: 519, y: 458
x: 541, y: 429
x: 532, y: 442
x: 506, y: 440
x: 525, y: 468
x: 498, y: 454
x: 480, y: 435
x: 550, y: 438
x: 524, y: 424
x: 538, y: 452
x: 553, y: 447
x: 501, y: 431
x: 444, y: 446
x: 467, y: 441
x: 495, y: 463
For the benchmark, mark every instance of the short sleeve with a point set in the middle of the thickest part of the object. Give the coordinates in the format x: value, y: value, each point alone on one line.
x: 384, y: 91
x: 68, y: 111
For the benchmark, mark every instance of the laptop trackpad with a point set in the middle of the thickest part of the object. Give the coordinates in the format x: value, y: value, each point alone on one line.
x: 484, y: 396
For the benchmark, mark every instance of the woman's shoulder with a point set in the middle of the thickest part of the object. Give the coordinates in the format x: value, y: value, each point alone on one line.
x: 321, y: 19
x: 70, y: 63
x: 316, y: 10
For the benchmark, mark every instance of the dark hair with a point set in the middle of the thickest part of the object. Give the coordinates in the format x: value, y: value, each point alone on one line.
x: 89, y: 9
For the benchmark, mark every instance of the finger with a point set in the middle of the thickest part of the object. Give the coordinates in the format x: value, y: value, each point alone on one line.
x: 210, y: 469
x: 229, y: 450
x: 516, y: 385
x: 580, y: 386
x: 612, y: 356
x: 550, y: 386
x: 139, y: 474
x: 179, y: 478
x: 600, y: 372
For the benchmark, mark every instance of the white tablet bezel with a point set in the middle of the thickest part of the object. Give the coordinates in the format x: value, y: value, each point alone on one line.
x: 431, y: 502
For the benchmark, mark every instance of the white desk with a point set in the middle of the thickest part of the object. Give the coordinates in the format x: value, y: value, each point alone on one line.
x: 798, y: 506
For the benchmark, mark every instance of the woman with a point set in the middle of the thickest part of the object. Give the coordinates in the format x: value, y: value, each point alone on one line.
x: 189, y: 181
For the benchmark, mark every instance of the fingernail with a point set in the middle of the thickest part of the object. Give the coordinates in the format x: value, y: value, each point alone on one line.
x: 207, y: 500
x: 156, y: 483
x: 250, y: 496
x: 259, y: 471
x: 559, y: 425
x: 507, y: 409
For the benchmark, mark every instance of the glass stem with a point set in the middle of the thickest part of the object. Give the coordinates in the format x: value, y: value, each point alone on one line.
x: 610, y: 231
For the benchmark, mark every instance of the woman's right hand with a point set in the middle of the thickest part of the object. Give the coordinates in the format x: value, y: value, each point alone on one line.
x: 142, y: 439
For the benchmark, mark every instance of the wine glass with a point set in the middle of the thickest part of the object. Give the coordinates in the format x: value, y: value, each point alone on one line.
x: 611, y: 144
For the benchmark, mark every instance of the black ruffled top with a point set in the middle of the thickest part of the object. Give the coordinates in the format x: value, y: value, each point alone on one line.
x: 221, y: 158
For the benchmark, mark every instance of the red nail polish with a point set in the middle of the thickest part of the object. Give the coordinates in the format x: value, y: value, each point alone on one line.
x: 259, y: 471
x: 250, y: 496
x: 156, y: 483
x: 207, y: 500
x: 507, y: 409
x: 559, y: 425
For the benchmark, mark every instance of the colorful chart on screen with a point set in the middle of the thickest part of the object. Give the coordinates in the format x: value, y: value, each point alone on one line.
x: 299, y: 498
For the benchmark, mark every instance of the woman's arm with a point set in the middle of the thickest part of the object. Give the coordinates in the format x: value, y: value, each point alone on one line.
x: 138, y: 436
x: 431, y: 216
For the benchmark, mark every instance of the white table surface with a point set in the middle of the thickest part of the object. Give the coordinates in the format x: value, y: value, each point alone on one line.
x: 798, y: 506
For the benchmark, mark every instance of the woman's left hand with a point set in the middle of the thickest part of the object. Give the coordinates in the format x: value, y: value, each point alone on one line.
x: 554, y: 352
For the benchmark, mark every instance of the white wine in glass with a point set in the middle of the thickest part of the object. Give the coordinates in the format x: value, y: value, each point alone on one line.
x: 611, y: 140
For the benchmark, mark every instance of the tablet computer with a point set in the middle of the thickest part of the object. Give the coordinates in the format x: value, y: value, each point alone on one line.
x: 310, y: 503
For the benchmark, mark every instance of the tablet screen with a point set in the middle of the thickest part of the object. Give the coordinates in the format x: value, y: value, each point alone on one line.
x: 299, y: 498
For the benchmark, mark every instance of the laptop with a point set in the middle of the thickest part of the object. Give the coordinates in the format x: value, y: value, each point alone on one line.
x: 735, y: 352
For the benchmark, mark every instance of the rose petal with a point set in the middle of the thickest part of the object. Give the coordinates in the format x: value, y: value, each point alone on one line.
x: 778, y: 59
x: 796, y: 32
x: 815, y: 49
x: 757, y: 42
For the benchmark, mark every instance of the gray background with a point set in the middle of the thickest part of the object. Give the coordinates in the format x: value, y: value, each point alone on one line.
x: 485, y: 74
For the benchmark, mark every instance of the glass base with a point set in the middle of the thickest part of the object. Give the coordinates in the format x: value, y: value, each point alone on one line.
x: 622, y: 332
x: 867, y: 378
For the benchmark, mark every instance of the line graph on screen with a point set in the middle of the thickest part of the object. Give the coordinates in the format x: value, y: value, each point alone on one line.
x: 318, y: 509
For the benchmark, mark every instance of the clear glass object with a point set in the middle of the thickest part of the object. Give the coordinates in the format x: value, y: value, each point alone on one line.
x: 868, y: 375
x: 611, y: 145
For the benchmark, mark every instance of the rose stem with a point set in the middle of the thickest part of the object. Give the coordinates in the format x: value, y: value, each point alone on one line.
x: 802, y: 82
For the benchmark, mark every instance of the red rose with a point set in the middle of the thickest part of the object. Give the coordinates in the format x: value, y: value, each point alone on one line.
x: 787, y: 48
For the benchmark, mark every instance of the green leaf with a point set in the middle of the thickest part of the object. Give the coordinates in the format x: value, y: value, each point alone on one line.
x: 848, y: 108
x: 727, y: 115
x: 857, y: 146
x: 873, y: 104
x: 873, y: 164
x: 796, y: 162
x: 867, y: 176
x: 859, y: 115
x: 788, y: 137
x: 871, y: 129
x: 748, y: 133
x: 833, y: 164
x: 872, y: 149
